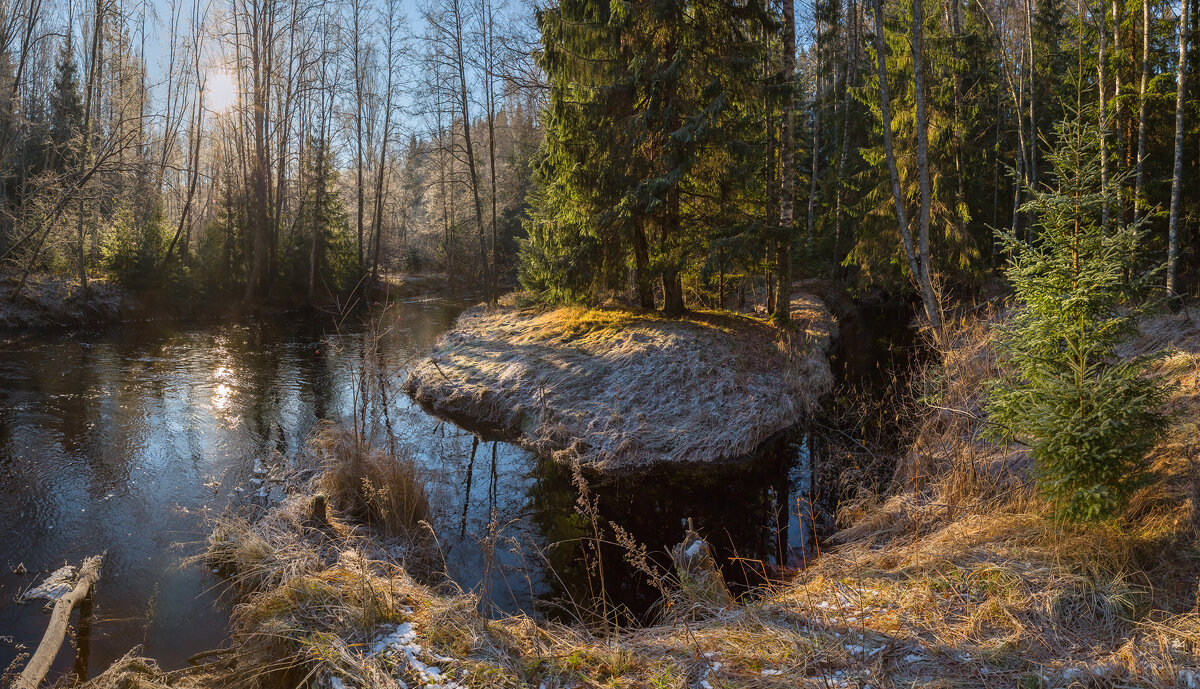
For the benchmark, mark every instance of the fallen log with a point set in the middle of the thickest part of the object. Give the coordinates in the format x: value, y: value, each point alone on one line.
x: 60, y: 619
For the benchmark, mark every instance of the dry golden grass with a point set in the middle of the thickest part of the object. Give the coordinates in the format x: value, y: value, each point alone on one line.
x: 618, y: 389
x: 369, y: 485
x: 136, y: 672
x: 965, y: 579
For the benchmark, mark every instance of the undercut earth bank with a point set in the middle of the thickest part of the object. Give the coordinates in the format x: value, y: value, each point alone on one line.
x: 618, y: 389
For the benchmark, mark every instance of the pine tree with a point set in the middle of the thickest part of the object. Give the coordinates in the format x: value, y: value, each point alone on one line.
x: 1088, y: 416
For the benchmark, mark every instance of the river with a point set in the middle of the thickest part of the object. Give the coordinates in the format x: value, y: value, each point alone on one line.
x: 124, y: 440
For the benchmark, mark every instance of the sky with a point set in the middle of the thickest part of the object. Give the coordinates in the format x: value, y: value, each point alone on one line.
x: 220, y: 88
x: 221, y: 85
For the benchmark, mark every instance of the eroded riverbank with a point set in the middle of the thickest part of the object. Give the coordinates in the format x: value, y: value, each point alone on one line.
x: 622, y: 390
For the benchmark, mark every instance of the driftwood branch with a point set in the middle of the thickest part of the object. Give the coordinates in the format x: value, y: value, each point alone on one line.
x: 60, y: 619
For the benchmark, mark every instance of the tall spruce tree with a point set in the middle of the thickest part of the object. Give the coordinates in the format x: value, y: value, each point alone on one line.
x: 583, y: 218
x: 647, y: 126
x: 66, y: 114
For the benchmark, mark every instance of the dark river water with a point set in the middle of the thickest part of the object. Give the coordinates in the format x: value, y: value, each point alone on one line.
x: 123, y: 441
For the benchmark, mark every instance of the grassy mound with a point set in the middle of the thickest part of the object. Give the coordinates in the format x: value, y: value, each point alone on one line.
x: 617, y: 389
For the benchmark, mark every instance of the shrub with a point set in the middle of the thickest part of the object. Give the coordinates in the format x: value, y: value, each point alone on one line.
x: 1088, y: 417
x: 133, y: 248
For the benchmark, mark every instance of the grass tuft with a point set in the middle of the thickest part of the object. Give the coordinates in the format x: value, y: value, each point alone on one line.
x: 368, y: 484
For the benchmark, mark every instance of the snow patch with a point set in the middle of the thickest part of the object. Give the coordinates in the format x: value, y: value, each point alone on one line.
x: 55, y: 586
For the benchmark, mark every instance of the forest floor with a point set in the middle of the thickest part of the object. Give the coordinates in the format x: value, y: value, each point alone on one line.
x: 617, y: 389
x: 955, y: 576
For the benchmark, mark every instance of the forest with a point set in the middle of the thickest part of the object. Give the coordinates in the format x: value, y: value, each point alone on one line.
x: 617, y: 344
x: 669, y: 153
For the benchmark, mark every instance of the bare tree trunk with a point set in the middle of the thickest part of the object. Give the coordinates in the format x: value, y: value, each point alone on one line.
x: 31, y: 19
x: 359, y: 94
x: 60, y: 621
x: 194, y: 136
x: 325, y: 103
x: 851, y: 81
x: 86, y: 134
x: 460, y: 59
x: 1177, y: 173
x: 1101, y: 69
x: 1141, y: 145
x: 955, y: 16
x: 893, y: 171
x: 489, y: 57
x: 783, y: 256
x: 392, y: 30
x: 672, y: 282
x: 283, y: 128
x: 770, y: 168
x: 1031, y: 73
x: 645, y: 291
x: 996, y: 163
x: 260, y: 23
x: 1116, y: 72
x: 925, y: 276
x: 816, y: 140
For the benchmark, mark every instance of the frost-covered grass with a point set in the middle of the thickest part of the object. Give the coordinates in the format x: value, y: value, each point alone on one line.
x: 50, y: 300
x: 617, y: 389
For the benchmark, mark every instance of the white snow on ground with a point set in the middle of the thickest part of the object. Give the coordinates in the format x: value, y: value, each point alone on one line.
x: 397, y: 644
x: 54, y: 587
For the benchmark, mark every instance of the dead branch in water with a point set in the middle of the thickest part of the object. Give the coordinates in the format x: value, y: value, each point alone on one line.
x: 60, y: 620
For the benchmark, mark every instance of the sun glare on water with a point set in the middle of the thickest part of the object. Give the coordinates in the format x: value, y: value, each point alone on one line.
x: 220, y: 91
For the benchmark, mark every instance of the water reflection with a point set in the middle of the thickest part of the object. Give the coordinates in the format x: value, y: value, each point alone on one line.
x: 746, y: 511
x: 120, y: 441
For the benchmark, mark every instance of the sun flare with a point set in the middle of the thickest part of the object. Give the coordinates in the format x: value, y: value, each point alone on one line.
x: 220, y: 91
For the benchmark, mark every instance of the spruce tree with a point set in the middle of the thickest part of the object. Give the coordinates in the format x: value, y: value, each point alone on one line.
x: 1088, y: 416
x: 648, y: 154
x: 582, y: 218
x: 66, y: 113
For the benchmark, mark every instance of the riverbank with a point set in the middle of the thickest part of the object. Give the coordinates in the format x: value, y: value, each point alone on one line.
x: 616, y: 389
x: 959, y: 573
x: 50, y: 301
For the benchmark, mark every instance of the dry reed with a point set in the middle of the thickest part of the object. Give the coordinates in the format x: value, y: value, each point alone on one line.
x: 380, y: 490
